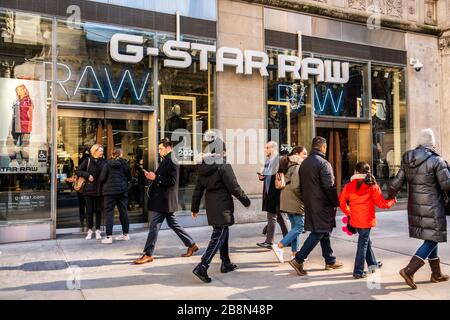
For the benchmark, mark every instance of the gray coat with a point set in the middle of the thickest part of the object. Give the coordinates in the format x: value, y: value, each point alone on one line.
x: 427, y: 175
x: 290, y: 198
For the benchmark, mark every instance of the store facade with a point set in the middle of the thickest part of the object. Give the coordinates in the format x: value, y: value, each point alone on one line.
x: 87, y: 88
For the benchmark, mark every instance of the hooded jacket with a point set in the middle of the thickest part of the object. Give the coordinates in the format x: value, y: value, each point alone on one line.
x: 218, y: 182
x: 427, y: 175
x: 362, y: 202
x: 290, y: 197
x: 115, y: 176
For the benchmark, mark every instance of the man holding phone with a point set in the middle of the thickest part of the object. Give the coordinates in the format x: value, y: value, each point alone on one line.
x: 163, y: 202
x: 271, y: 195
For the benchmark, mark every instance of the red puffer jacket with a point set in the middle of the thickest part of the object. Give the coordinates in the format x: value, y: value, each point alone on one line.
x: 362, y: 202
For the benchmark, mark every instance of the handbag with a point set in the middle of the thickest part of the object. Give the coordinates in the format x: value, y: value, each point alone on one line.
x: 280, y: 181
x: 80, y: 182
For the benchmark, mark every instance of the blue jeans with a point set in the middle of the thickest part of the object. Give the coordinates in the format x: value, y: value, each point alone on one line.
x: 364, y: 252
x: 311, y: 242
x: 293, y: 236
x: 429, y: 249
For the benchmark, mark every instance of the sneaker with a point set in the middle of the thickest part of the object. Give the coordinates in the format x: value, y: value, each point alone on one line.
x: 123, y: 237
x: 89, y: 235
x: 336, y: 265
x: 264, y: 245
x: 98, y: 234
x: 278, y: 252
x: 201, y: 273
x: 374, y: 268
x: 360, y: 276
x: 108, y: 240
x: 298, y: 267
x: 227, y: 267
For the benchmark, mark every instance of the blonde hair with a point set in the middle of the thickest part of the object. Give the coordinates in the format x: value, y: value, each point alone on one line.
x: 94, y: 148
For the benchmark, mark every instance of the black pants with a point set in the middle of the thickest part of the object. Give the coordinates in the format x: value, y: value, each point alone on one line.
x: 82, y: 207
x: 94, y: 206
x: 110, y: 201
x: 219, y: 241
x: 155, y: 225
x: 24, y: 144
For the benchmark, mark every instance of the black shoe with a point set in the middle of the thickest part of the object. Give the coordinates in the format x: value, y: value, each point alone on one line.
x: 227, y: 267
x: 264, y: 245
x: 201, y: 273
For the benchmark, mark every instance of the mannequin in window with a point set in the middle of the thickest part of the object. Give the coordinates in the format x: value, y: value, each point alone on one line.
x: 175, y: 121
x: 273, y: 121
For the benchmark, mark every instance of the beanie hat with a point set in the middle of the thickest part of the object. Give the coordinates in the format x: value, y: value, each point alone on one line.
x: 426, y: 138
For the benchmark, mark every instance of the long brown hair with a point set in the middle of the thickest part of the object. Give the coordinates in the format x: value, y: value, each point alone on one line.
x: 364, y: 168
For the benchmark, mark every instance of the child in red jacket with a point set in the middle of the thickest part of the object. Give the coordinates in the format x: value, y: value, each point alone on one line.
x: 362, y: 194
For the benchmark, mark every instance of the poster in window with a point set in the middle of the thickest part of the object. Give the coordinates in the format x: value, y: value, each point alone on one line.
x: 23, y: 126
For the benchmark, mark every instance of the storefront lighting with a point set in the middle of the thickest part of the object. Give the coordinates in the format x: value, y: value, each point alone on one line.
x: 386, y: 75
x: 375, y: 74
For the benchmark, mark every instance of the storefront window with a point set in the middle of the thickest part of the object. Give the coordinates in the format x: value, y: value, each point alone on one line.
x: 87, y: 73
x: 341, y: 100
x: 289, y: 116
x: 186, y: 113
x: 388, y: 112
x: 25, y: 104
x: 201, y: 9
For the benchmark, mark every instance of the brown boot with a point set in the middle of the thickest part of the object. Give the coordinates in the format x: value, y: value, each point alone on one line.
x: 408, y: 273
x: 190, y: 251
x: 144, y: 259
x: 298, y: 267
x: 436, y: 274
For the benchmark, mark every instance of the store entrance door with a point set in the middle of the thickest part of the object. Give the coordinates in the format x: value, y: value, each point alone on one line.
x: 78, y: 130
x: 348, y: 143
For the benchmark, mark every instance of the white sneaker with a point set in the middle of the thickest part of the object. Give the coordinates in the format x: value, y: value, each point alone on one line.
x: 123, y: 237
x: 108, y: 240
x: 278, y: 252
x: 98, y: 235
x: 89, y: 235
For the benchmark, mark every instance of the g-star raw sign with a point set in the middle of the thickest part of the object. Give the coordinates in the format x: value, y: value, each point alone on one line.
x: 244, y: 62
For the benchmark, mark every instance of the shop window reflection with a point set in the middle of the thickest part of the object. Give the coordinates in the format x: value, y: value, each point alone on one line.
x: 388, y: 113
x: 25, y: 46
x: 186, y: 104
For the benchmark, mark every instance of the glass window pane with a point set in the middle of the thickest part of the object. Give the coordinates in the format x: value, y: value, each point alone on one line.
x: 25, y: 104
x: 388, y: 112
x: 87, y: 73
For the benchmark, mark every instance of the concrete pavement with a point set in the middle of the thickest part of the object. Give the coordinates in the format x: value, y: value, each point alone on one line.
x: 73, y: 268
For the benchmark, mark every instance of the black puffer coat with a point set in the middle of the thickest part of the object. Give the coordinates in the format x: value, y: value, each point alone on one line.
x: 427, y: 175
x: 220, y: 183
x: 115, y: 176
x: 318, y: 189
x: 92, y: 166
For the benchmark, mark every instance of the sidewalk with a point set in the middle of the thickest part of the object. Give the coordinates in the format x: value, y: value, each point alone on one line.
x: 43, y: 269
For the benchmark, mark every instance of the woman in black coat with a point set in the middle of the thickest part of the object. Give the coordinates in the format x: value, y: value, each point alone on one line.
x: 217, y: 180
x: 428, y: 176
x: 91, y: 169
x: 115, y: 177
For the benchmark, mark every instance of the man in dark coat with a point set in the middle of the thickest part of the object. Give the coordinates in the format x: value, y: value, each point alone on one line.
x: 271, y: 195
x: 428, y: 177
x: 217, y: 179
x: 163, y: 203
x: 320, y: 198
